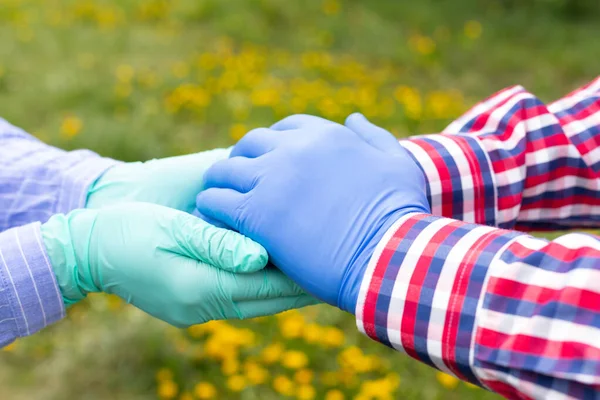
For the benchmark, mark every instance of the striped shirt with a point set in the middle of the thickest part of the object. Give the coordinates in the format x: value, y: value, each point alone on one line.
x: 36, y: 181
x: 499, y: 308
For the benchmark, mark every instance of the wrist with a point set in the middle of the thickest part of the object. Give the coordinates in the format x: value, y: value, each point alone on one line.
x: 69, y: 262
x: 369, y: 254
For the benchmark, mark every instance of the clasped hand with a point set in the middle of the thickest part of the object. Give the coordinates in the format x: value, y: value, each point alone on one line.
x: 318, y: 196
x: 136, y: 239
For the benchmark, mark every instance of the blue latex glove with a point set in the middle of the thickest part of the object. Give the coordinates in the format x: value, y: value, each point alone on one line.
x: 170, y: 264
x: 318, y: 197
x: 173, y: 182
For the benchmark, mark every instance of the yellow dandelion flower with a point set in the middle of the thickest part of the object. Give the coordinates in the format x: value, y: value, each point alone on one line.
x: 186, y: 396
x: 265, y: 97
x: 422, y: 44
x: 256, y: 374
x: 207, y: 61
x: 125, y: 73
x: 236, y: 383
x: 272, y: 353
x: 447, y: 381
x: 304, y: 376
x: 291, y: 327
x: 167, y: 389
x: 283, y: 385
x: 294, y: 359
x: 205, y: 391
x: 70, y: 127
x: 331, y: 7
x: 473, y: 29
x: 305, y: 392
x: 333, y: 337
x: 334, y: 395
x: 230, y: 366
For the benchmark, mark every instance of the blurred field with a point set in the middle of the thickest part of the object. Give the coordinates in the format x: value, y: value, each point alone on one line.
x: 141, y: 79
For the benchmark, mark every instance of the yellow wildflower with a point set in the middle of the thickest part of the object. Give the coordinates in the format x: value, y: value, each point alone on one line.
x: 71, y: 126
x: 256, y: 374
x: 334, y: 395
x: 291, y: 327
x: 167, y: 389
x: 283, y: 385
x: 294, y: 359
x: 447, y: 381
x: 331, y: 7
x: 205, y: 391
x: 333, y: 337
x: 237, y: 131
x: 186, y: 396
x: 272, y: 353
x: 305, y: 392
x: 473, y: 29
x: 304, y: 376
x: 265, y: 97
x: 236, y: 383
x: 422, y: 44
x: 230, y: 366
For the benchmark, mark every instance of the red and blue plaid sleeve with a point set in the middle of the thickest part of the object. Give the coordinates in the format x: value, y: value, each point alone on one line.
x: 513, y: 162
x: 501, y: 309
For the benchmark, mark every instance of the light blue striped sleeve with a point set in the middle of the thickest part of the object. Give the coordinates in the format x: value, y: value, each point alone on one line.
x: 37, y: 180
x: 29, y: 295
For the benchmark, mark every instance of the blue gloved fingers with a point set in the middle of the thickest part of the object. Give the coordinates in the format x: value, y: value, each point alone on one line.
x: 237, y: 173
x: 221, y: 248
x: 221, y: 205
x: 255, y: 143
x: 261, y: 308
x: 299, y: 121
x: 374, y: 135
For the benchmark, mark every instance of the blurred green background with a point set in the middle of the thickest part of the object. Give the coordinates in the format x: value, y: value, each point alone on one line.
x: 141, y: 79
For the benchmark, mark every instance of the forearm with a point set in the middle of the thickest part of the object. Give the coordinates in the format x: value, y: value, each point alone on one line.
x: 37, y: 180
x: 500, y: 309
x: 513, y: 162
x: 29, y: 296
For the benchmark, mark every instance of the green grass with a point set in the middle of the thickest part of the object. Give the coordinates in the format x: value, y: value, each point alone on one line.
x: 60, y: 62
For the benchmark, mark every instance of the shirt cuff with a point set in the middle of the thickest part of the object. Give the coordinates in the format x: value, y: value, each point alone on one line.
x: 29, y: 295
x: 423, y: 287
x: 460, y: 180
x: 78, y: 177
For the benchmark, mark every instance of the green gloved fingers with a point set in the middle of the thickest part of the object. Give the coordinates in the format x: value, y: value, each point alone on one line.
x: 263, y: 307
x: 173, y: 182
x: 172, y: 265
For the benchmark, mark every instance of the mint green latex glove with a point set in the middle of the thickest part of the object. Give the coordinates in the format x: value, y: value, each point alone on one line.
x: 173, y: 182
x: 170, y: 264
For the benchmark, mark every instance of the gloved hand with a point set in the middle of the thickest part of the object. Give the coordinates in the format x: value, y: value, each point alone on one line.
x: 318, y: 197
x: 170, y: 264
x: 173, y: 182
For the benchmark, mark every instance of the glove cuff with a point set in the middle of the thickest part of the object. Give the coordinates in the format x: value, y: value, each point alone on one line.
x: 69, y: 266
